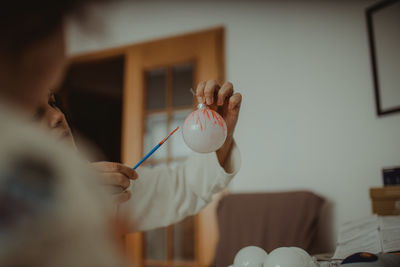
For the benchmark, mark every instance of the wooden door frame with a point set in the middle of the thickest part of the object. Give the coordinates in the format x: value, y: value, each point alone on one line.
x: 137, y: 57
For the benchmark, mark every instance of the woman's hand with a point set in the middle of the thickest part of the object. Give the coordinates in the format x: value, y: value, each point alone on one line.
x: 227, y: 103
x: 117, y: 178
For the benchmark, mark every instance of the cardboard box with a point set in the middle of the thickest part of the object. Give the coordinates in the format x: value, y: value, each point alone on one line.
x: 385, y: 200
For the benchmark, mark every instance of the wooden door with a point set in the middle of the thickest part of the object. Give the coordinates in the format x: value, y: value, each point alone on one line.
x: 201, y: 55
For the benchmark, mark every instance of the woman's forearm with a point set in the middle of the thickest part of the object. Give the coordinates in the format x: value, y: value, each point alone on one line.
x: 224, y: 151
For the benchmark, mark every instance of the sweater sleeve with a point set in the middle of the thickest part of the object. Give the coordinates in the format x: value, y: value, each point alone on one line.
x: 162, y: 196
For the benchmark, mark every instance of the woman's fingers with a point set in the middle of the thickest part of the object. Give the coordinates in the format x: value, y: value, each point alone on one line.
x: 234, y: 102
x: 114, y: 189
x: 115, y: 167
x: 114, y: 179
x: 225, y: 92
x: 206, y: 92
x: 122, y: 197
x: 127, y: 171
x: 115, y: 174
x: 210, y: 90
x: 200, y: 92
x: 117, y: 178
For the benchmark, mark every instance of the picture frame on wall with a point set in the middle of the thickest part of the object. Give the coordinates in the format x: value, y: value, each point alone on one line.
x: 383, y: 23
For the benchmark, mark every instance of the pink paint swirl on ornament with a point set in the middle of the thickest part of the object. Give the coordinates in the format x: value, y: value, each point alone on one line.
x: 204, y: 130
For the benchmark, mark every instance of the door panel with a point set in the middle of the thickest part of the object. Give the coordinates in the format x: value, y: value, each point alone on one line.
x: 157, y: 76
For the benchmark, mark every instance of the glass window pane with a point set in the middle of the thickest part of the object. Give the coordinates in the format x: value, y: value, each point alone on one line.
x: 182, y: 82
x: 155, y: 244
x: 184, y: 240
x: 156, y: 130
x: 155, y: 88
x: 176, y: 144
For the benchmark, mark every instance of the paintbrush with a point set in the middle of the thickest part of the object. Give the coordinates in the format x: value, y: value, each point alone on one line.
x: 154, y: 149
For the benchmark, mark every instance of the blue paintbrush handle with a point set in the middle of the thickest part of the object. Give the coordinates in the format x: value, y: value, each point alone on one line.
x: 147, y: 156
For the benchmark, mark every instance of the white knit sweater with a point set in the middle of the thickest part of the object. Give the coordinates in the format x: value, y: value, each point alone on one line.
x: 162, y: 196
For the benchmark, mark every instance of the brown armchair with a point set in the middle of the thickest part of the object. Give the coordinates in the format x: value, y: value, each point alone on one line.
x: 266, y: 220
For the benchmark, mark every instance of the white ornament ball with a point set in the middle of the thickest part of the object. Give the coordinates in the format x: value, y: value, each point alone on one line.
x: 289, y: 257
x: 251, y: 256
x: 301, y: 251
x: 204, y: 130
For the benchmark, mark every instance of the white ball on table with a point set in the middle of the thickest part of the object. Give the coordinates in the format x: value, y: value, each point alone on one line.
x: 289, y: 257
x: 251, y: 256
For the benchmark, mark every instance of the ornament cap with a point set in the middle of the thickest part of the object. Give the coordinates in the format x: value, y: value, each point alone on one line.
x: 201, y: 106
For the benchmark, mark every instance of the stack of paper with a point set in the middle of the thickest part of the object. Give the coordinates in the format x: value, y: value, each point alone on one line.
x: 390, y: 233
x: 373, y: 234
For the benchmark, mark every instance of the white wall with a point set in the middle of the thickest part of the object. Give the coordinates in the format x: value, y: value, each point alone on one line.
x: 308, y: 118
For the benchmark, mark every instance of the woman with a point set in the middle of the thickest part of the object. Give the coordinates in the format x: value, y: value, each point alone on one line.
x: 52, y: 212
x: 163, y: 196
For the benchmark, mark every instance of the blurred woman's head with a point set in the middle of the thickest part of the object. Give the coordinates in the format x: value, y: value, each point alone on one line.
x: 32, y: 49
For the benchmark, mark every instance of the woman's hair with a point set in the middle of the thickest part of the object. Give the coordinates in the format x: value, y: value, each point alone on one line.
x: 26, y: 21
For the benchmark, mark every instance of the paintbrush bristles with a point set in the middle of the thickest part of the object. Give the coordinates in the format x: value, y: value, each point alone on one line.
x: 165, y: 139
